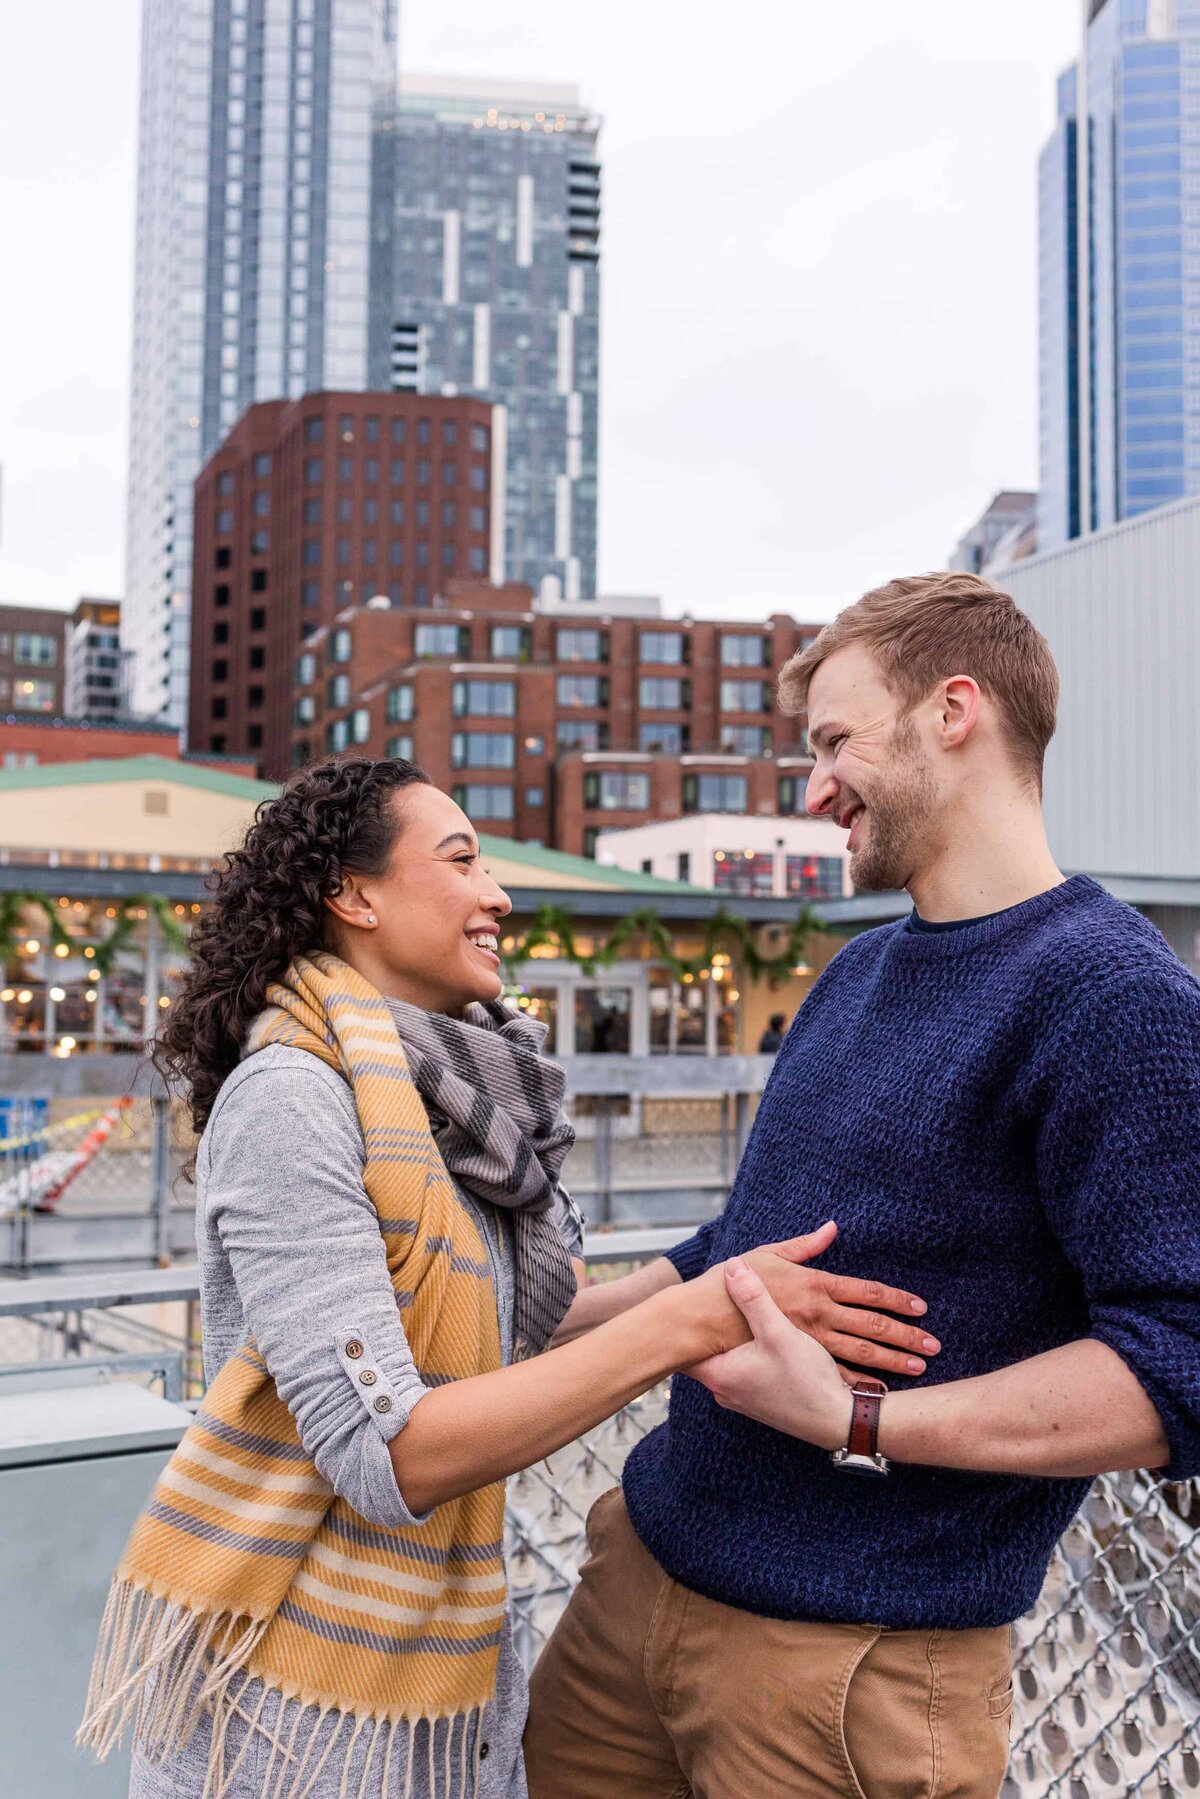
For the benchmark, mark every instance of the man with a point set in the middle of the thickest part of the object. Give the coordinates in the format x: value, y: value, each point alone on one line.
x: 998, y: 1100
x: 771, y: 1041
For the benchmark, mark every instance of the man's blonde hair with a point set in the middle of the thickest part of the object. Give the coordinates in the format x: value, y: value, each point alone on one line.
x: 922, y: 629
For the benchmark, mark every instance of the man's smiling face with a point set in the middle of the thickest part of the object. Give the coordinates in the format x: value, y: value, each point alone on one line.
x: 873, y: 774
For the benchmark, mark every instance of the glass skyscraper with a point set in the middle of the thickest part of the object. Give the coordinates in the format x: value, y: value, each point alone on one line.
x: 496, y: 292
x: 1119, y: 283
x: 265, y: 170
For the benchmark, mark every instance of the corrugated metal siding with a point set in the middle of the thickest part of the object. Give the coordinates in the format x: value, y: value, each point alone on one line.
x: 1121, y: 611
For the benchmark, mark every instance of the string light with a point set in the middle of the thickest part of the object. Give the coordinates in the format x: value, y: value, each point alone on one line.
x: 32, y: 946
x: 62, y: 950
x: 8, y: 994
x: 24, y: 996
x: 57, y: 993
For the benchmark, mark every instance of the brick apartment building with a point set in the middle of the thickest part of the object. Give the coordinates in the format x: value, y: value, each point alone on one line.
x: 553, y: 726
x: 314, y: 505
x: 33, y: 641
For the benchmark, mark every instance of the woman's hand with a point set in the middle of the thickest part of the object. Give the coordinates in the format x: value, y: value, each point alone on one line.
x: 849, y: 1317
x: 782, y: 1376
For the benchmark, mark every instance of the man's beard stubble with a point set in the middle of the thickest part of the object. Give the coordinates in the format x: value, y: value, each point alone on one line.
x: 897, y: 814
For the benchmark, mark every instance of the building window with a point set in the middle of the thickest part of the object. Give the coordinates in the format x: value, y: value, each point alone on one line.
x: 339, y: 646
x: 258, y: 656
x: 440, y: 640
x: 220, y: 669
x: 32, y: 695
x: 310, y: 595
x: 221, y: 631
x: 424, y: 431
x: 314, y: 430
x: 449, y: 433
x: 399, y: 430
x: 225, y: 520
x: 345, y: 468
x: 305, y: 710
x: 738, y: 651
x: 260, y: 543
x: 792, y: 790
x: 360, y: 725
x: 345, y: 510
x: 346, y: 428
x: 337, y: 690
x: 217, y: 745
x: 484, y: 699
x: 262, y: 465
x: 262, y: 504
x: 662, y: 646
x: 397, y: 471
x: 581, y: 734
x: 664, y: 693
x: 35, y: 649
x: 746, y: 740
x: 610, y: 790
x: 422, y: 513
x: 510, y: 643
x: 310, y: 552
x: 449, y: 474
x: 337, y: 735
x: 343, y: 552
x: 683, y: 866
x: 368, y: 552
x: 306, y: 669
x: 814, y: 877
x: 669, y: 739
x: 478, y: 518
x: 714, y: 793
x: 447, y: 556
x: 371, y: 469
x: 396, y: 512
x: 310, y: 512
x: 582, y: 646
x: 372, y: 429
x: 218, y: 707
x: 482, y: 749
x: 225, y: 486
x: 480, y: 802
x: 535, y: 796
x: 422, y: 473
x: 602, y: 1017
x: 258, y: 580
x: 222, y: 556
x: 750, y: 873
x: 479, y: 479
x: 314, y: 469
x: 254, y: 698
x: 399, y: 704
x: 221, y: 595
x: 535, y: 746
x: 448, y: 513
x: 422, y: 555
x: 479, y: 437
x: 581, y: 690
x: 399, y: 749
x: 745, y: 696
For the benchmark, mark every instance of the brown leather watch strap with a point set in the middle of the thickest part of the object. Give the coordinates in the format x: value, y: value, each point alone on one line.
x: 864, y: 1420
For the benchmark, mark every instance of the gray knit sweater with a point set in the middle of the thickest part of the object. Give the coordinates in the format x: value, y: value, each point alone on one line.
x: 290, y: 1252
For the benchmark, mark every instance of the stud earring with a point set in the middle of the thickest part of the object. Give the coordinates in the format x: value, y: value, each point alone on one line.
x: 370, y: 918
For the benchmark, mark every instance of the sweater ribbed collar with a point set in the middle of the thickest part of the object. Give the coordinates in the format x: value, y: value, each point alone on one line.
x: 938, y: 945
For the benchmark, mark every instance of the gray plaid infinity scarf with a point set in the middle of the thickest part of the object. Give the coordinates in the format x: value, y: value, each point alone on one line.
x: 495, y: 1109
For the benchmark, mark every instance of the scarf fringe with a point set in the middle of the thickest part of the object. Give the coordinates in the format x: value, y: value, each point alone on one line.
x: 161, y: 1668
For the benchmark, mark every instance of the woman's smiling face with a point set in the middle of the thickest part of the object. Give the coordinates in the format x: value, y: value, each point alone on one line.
x: 427, y: 929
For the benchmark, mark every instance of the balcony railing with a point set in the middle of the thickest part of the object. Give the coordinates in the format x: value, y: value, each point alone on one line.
x: 1107, y: 1664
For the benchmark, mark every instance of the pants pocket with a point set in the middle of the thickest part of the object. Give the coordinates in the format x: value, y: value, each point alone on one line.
x: 594, y: 1522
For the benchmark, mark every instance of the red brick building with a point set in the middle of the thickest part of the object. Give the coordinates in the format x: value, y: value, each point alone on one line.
x: 33, y: 643
x: 551, y: 727
x: 315, y: 505
x: 29, y: 740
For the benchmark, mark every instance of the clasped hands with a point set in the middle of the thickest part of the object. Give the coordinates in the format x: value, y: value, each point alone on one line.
x: 804, y: 1326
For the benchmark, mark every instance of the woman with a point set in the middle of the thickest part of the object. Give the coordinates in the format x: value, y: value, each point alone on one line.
x: 313, y: 1603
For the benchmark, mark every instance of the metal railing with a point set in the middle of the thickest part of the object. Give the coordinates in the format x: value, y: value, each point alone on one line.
x: 1107, y: 1673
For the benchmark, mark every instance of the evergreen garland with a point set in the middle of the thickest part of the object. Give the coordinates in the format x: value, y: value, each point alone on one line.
x: 554, y: 925
x: 13, y: 932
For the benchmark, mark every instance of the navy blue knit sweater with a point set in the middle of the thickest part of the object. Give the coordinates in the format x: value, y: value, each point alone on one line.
x: 1004, y: 1119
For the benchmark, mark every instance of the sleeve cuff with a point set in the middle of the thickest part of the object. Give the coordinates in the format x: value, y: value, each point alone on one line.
x: 1165, y: 1371
x: 690, y: 1257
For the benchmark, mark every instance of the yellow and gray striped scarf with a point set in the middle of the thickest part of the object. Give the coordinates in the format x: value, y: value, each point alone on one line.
x: 244, y: 1565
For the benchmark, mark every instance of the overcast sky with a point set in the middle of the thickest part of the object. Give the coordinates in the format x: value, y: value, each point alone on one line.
x: 819, y: 273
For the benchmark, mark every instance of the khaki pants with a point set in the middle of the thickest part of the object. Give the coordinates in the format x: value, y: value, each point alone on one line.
x: 646, y: 1690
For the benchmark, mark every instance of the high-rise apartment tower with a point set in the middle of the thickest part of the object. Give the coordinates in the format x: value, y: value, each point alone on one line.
x: 265, y: 170
x: 1119, y: 251
x: 496, y: 292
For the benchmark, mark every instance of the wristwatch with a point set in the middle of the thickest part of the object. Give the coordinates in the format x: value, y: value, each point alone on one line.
x: 861, y: 1453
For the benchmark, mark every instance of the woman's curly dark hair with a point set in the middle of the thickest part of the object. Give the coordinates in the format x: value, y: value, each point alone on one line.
x: 268, y: 906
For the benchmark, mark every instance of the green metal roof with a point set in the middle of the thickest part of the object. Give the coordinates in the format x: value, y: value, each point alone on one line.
x: 101, y: 770
x: 581, y: 868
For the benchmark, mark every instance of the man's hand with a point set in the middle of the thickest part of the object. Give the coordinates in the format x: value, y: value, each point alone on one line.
x: 847, y: 1316
x: 782, y: 1377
